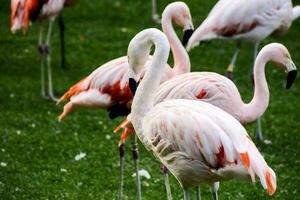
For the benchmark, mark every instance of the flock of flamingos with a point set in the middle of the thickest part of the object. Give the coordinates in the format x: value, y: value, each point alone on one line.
x: 190, y: 121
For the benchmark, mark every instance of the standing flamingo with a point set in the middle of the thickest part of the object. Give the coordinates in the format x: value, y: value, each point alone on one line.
x: 249, y: 21
x: 221, y: 92
x: 24, y: 11
x: 107, y: 86
x: 198, y: 142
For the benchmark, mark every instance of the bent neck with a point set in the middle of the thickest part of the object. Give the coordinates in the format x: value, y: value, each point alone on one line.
x: 144, y: 97
x: 296, y: 12
x: 260, y: 100
x: 181, y: 58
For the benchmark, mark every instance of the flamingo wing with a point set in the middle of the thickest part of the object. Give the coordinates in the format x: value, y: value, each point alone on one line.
x: 242, y: 19
x: 106, y: 87
x: 209, y: 87
x: 24, y: 11
x: 208, y: 141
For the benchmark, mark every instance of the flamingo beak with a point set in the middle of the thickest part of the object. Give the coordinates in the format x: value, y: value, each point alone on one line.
x: 188, y: 32
x: 186, y: 36
x: 291, y: 75
x: 133, y: 85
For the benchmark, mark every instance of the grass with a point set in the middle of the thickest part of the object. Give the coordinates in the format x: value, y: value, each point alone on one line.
x: 39, y: 152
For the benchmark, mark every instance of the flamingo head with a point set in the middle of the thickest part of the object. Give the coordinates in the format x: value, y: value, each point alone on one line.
x: 138, y: 53
x: 180, y: 13
x: 279, y: 55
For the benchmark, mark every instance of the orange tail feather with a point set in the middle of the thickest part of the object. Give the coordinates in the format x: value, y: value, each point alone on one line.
x: 245, y: 159
x: 271, y: 188
x: 75, y: 89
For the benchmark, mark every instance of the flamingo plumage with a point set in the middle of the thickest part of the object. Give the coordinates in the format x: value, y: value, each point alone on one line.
x: 245, y: 21
x: 107, y: 86
x: 25, y: 11
x: 198, y: 142
x: 220, y: 91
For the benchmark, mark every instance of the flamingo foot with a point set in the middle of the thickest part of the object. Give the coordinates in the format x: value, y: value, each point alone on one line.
x: 52, y: 97
x: 259, y: 134
x: 156, y: 18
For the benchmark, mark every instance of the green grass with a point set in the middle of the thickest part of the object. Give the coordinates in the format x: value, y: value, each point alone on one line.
x: 36, y: 147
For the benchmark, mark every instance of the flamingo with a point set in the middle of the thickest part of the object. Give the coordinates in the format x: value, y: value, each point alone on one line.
x: 198, y: 142
x: 221, y: 92
x: 107, y: 86
x: 24, y: 11
x: 245, y: 21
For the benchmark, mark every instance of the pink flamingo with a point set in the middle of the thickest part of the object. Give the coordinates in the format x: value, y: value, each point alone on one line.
x: 24, y: 11
x: 221, y: 92
x: 248, y: 21
x: 198, y: 142
x: 107, y: 86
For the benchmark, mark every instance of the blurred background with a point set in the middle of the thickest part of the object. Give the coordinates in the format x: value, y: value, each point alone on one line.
x: 37, y: 152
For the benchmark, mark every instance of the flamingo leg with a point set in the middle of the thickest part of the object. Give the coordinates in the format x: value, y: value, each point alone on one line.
x: 122, y: 159
x: 215, y: 195
x: 214, y: 189
x: 186, y: 194
x: 41, y: 52
x: 229, y: 71
x: 155, y: 16
x: 135, y: 155
x: 61, y: 25
x: 198, y: 193
x: 167, y: 183
x: 48, y: 57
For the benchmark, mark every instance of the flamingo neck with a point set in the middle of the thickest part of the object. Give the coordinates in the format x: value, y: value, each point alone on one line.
x: 260, y: 100
x: 296, y: 12
x: 181, y: 59
x: 143, y: 100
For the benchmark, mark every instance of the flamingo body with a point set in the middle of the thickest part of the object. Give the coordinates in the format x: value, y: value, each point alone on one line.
x: 104, y: 87
x: 200, y: 143
x: 24, y: 11
x: 250, y: 21
x: 110, y: 81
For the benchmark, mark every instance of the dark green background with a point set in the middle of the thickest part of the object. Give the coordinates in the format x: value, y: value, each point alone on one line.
x: 35, y: 146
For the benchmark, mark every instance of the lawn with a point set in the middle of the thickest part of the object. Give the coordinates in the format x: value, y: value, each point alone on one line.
x: 37, y: 152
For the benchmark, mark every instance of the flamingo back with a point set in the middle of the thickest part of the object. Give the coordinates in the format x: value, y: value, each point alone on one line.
x: 200, y: 143
x: 208, y: 87
x: 246, y: 20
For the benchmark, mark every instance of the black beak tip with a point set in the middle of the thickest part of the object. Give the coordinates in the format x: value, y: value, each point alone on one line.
x: 133, y: 85
x: 186, y: 36
x: 291, y: 77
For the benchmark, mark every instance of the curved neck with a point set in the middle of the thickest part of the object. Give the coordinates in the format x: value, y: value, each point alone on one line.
x: 144, y: 97
x: 181, y: 58
x: 260, y: 100
x: 296, y: 12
